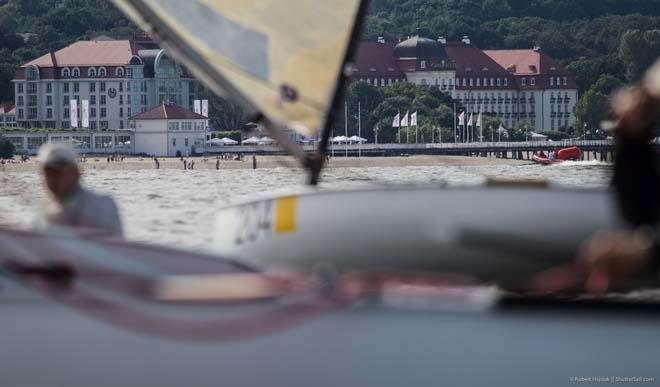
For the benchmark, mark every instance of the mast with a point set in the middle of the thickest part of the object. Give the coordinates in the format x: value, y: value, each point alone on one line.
x: 359, y: 129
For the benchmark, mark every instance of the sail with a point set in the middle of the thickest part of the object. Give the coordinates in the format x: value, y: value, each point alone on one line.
x: 281, y: 59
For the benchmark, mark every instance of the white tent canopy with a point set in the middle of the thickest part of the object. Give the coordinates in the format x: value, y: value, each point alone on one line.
x: 358, y: 139
x: 252, y: 140
x: 228, y: 141
x: 266, y: 140
x: 340, y: 139
x: 214, y: 141
x: 538, y: 137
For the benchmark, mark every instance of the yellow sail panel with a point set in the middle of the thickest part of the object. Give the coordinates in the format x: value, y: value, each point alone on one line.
x: 283, y: 57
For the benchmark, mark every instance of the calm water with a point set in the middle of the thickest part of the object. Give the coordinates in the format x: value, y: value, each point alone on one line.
x: 176, y: 207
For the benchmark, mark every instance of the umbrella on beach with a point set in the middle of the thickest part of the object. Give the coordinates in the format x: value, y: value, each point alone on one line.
x: 266, y: 140
x: 228, y: 141
x: 252, y: 141
x: 358, y: 139
x: 340, y: 139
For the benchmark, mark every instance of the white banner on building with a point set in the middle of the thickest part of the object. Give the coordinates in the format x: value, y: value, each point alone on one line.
x: 74, y: 113
x: 85, y: 113
x: 198, y: 106
x: 205, y: 108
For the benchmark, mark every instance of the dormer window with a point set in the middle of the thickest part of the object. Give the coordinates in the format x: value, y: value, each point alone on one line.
x: 91, y: 72
x: 468, y: 69
x: 119, y: 72
x: 484, y: 69
x: 390, y: 69
x: 422, y: 64
x: 552, y: 81
x: 532, y: 81
x: 553, y: 68
x: 524, y: 81
x: 32, y: 73
x: 66, y: 73
x: 532, y: 68
x: 565, y: 81
x: 75, y: 73
x: 373, y: 69
x: 511, y: 69
x: 103, y: 73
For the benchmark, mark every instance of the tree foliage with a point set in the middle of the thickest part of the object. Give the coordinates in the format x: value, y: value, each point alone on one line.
x: 7, y: 148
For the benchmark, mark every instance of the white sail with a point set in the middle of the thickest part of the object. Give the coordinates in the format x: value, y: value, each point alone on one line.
x: 280, y: 59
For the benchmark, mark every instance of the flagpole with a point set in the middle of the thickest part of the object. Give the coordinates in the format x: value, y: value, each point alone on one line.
x: 399, y: 115
x: 346, y: 125
x: 359, y: 129
x: 454, y: 122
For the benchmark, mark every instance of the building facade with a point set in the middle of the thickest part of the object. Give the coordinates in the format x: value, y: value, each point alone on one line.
x: 516, y: 86
x: 169, y: 130
x: 119, y: 78
x: 7, y: 115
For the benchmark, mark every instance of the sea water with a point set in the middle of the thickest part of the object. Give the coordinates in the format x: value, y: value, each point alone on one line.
x: 177, y: 207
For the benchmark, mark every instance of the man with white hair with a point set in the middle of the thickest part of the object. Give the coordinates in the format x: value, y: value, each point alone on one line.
x: 70, y: 204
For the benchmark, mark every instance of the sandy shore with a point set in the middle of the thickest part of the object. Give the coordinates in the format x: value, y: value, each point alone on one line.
x: 131, y: 163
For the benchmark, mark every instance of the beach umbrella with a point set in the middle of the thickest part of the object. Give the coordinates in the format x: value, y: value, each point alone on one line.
x: 266, y: 140
x: 214, y: 141
x: 358, y: 139
x: 228, y: 141
x: 252, y: 141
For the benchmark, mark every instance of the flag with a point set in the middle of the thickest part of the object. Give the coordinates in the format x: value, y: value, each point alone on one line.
x: 404, y: 120
x: 470, y: 120
x: 85, y: 113
x: 413, y: 119
x: 461, y: 118
x: 205, y: 108
x: 397, y: 121
x: 198, y: 106
x: 479, y: 120
x: 74, y: 113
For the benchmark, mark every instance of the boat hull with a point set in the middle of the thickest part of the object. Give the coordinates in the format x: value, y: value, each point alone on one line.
x: 495, y: 234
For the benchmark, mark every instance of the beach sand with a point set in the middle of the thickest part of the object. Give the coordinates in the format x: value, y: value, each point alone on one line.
x: 136, y: 163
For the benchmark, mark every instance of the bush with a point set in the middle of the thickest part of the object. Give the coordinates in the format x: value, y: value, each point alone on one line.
x: 7, y: 148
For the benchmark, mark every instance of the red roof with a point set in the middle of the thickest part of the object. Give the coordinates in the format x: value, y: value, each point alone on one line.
x: 88, y: 53
x: 376, y: 60
x: 471, y: 61
x: 527, y: 62
x: 6, y: 107
x: 166, y: 111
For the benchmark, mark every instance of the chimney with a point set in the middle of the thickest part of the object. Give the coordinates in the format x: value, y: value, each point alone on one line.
x: 466, y: 39
x: 442, y: 40
x: 381, y: 39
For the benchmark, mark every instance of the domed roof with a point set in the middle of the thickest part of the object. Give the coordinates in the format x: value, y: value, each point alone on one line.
x: 421, y: 48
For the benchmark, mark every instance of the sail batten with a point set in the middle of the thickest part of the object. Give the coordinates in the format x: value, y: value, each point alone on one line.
x: 282, y: 60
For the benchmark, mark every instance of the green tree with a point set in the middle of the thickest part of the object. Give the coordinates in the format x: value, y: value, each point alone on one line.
x: 7, y: 148
x: 638, y: 50
x: 591, y: 110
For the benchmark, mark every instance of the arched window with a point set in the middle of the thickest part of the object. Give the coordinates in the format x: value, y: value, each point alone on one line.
x: 32, y: 73
x: 119, y: 72
x: 75, y: 73
x: 91, y: 72
x: 103, y: 72
x: 66, y: 73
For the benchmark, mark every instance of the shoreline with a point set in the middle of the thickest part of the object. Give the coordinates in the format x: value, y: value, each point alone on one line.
x: 268, y: 162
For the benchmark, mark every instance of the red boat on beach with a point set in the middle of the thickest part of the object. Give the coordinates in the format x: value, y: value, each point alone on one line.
x: 557, y: 156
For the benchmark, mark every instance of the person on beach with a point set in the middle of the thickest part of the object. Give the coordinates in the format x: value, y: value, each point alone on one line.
x: 217, y: 163
x: 70, y: 204
x: 157, y: 162
x: 192, y: 164
x: 254, y: 162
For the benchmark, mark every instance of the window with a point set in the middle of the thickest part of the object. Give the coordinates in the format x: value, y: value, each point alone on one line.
x: 20, y: 114
x: 464, y: 81
x: 65, y: 99
x: 49, y: 100
x: 76, y: 87
x: 524, y: 81
x: 478, y: 81
x: 558, y: 81
x: 506, y: 82
x: 103, y: 124
x: 92, y: 100
x: 129, y: 73
x: 121, y: 124
x: 422, y: 64
x: 92, y: 87
x: 121, y: 86
x: 382, y: 83
x: 128, y: 86
x: 49, y: 113
x: 20, y: 87
x: 174, y: 142
x: 499, y: 82
x: 92, y: 112
x: 66, y: 112
x: 128, y: 111
x: 103, y: 112
x: 143, y: 99
x: 66, y: 73
x: 102, y: 88
x: 128, y: 98
x: 49, y: 87
x: 119, y: 72
x: 121, y: 99
x: 565, y: 81
x: 66, y: 87
x: 471, y: 81
x: 103, y: 73
x: 552, y: 81
x: 121, y: 112
x: 75, y: 73
x: 103, y: 99
x: 186, y: 142
x: 32, y: 88
x: 532, y: 81
x: 21, y: 102
x: 91, y: 72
